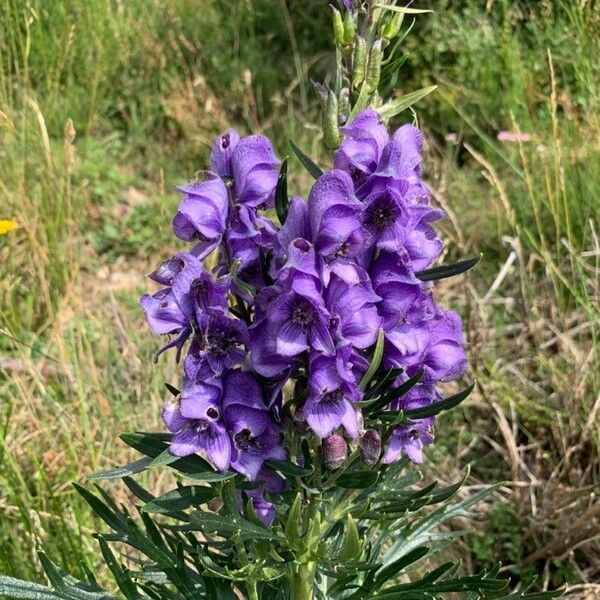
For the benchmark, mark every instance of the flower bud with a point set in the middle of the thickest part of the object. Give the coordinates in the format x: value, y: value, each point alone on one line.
x: 344, y: 105
x: 338, y: 27
x: 370, y: 447
x: 331, y: 128
x: 374, y: 69
x: 349, y: 29
x: 335, y: 450
x: 359, y: 61
x: 392, y: 27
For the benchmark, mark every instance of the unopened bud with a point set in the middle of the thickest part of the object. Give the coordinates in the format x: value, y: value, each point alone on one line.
x: 344, y: 105
x: 359, y: 60
x: 299, y: 420
x: 374, y: 67
x: 392, y: 27
x: 335, y: 450
x: 349, y: 29
x: 331, y: 128
x: 338, y: 27
x: 370, y: 446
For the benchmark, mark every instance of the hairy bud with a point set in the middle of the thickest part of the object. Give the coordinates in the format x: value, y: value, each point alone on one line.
x: 370, y: 446
x: 349, y: 29
x: 331, y: 128
x: 392, y: 27
x: 359, y: 62
x: 338, y: 27
x: 374, y: 68
x: 335, y: 450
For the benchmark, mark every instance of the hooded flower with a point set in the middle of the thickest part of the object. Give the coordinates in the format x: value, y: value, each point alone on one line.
x: 409, y: 440
x: 335, y: 219
x: 354, y: 319
x: 329, y: 404
x: 255, y: 170
x: 364, y: 140
x: 255, y: 437
x: 202, y: 214
x: 205, y: 435
x: 221, y: 153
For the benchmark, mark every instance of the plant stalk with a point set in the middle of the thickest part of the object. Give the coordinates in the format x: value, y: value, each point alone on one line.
x: 303, y: 581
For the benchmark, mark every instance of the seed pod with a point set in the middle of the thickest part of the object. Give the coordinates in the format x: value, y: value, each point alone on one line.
x: 349, y: 29
x: 338, y: 27
x: 392, y: 27
x: 370, y: 447
x: 335, y: 450
x: 374, y: 67
x: 359, y: 62
x: 331, y: 128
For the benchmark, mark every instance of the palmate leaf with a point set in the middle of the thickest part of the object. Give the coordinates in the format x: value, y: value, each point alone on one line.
x: 444, y: 271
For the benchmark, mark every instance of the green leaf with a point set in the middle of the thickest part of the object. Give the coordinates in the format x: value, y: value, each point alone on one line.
x: 116, y: 521
x: 375, y: 361
x: 392, y: 570
x: 357, y: 480
x: 438, y: 407
x: 308, y: 164
x: 16, y: 588
x: 285, y: 467
x: 124, y: 581
x: 397, y: 105
x: 444, y: 271
x: 351, y: 544
x: 180, y: 499
x: 405, y: 10
x: 281, y: 193
x: 118, y: 473
x: 398, y: 392
x: 172, y: 389
x: 227, y: 525
x: 245, y: 287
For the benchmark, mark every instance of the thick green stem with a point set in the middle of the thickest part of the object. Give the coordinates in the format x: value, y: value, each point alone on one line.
x: 303, y: 581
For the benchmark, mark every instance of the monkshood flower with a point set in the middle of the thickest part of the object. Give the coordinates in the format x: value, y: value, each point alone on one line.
x: 342, y: 267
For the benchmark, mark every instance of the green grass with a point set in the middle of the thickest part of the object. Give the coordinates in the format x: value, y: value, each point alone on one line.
x: 94, y: 213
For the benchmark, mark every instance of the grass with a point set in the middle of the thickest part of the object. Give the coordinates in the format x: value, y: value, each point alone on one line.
x: 99, y: 119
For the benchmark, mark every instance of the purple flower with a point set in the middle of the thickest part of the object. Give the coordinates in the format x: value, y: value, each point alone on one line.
x: 400, y: 165
x: 201, y: 390
x: 204, y: 435
x: 445, y: 358
x: 299, y: 320
x: 364, y: 140
x: 220, y: 342
x: 202, y: 214
x: 386, y: 219
x: 264, y: 509
x: 409, y: 440
x: 255, y: 170
x: 335, y: 218
x: 329, y: 404
x: 263, y: 351
x: 395, y: 283
x: 421, y: 241
x: 255, y: 436
x: 222, y: 151
x: 354, y: 319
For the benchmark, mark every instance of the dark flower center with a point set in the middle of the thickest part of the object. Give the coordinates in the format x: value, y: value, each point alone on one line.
x: 342, y: 251
x: 200, y: 287
x: 414, y: 434
x: 213, y: 413
x: 244, y: 440
x: 200, y: 425
x: 334, y: 397
x: 219, y: 342
x: 225, y: 141
x: 381, y: 215
x: 303, y: 315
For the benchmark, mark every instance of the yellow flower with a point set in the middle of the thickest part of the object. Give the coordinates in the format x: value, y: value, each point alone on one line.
x: 6, y: 226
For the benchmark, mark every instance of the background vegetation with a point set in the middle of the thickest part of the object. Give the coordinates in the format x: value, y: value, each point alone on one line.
x: 105, y: 105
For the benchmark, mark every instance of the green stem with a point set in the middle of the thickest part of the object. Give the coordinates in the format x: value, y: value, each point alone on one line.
x: 252, y: 590
x: 303, y: 581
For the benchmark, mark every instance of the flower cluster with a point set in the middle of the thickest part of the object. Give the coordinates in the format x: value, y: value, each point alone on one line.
x: 282, y: 327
